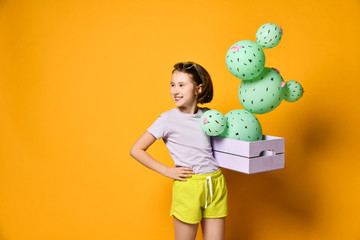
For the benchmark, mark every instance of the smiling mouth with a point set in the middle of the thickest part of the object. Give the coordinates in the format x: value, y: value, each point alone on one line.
x: 177, y: 98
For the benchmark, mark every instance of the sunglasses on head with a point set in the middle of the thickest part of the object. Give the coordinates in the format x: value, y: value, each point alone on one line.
x: 188, y: 66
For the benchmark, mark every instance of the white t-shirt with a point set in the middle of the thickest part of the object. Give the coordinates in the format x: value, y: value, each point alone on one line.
x: 188, y: 145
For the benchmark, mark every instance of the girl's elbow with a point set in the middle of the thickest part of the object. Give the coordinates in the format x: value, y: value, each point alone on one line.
x: 133, y: 152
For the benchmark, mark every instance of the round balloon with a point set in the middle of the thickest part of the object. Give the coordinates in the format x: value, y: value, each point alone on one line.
x: 269, y: 35
x: 213, y: 122
x: 245, y: 59
x: 262, y: 94
x: 293, y: 91
x: 242, y: 125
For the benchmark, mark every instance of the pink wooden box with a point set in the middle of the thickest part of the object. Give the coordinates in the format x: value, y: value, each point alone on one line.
x: 249, y: 157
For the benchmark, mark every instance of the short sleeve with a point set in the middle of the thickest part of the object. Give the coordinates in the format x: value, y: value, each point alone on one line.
x: 159, y: 128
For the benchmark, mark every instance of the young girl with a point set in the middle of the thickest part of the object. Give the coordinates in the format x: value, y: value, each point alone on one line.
x: 199, y: 189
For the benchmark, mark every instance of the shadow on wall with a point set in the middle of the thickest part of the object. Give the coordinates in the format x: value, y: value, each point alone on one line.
x: 289, y: 194
x: 1, y: 236
x: 319, y: 132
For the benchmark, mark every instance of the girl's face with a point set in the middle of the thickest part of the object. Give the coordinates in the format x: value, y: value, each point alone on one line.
x: 183, y: 91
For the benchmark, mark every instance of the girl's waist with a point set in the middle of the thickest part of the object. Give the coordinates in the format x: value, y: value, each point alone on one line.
x: 202, y: 177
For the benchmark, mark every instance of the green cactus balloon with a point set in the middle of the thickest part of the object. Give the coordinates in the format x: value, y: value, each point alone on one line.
x: 263, y: 93
x: 245, y: 59
x: 293, y: 91
x: 242, y: 125
x: 269, y: 35
x: 213, y: 122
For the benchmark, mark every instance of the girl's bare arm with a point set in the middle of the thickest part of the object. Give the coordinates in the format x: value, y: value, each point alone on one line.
x: 138, y: 151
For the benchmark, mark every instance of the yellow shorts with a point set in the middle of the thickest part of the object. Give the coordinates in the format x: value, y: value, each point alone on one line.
x: 202, y: 195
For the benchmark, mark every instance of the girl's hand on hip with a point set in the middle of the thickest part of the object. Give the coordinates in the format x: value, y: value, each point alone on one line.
x: 179, y: 173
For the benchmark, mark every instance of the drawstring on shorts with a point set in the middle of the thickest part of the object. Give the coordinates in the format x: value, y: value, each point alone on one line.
x: 210, y: 188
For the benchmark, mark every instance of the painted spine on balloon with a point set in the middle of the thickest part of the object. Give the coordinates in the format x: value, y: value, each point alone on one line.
x: 261, y: 90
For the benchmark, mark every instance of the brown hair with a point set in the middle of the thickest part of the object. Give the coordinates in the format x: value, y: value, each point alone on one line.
x: 200, y: 76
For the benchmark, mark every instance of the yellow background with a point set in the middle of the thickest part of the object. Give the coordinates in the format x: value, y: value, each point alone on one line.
x: 80, y: 81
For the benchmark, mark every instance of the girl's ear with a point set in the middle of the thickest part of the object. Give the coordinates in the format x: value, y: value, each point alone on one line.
x: 199, y: 88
